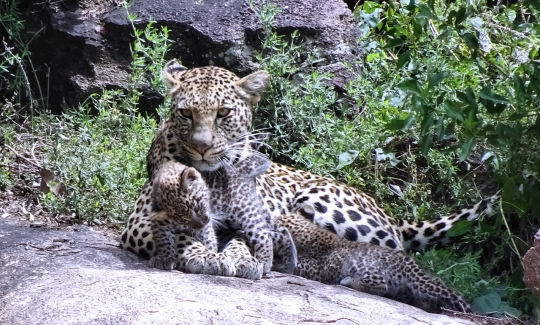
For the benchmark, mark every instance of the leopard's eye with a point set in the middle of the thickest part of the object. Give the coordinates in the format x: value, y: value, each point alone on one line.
x: 186, y: 113
x: 223, y: 112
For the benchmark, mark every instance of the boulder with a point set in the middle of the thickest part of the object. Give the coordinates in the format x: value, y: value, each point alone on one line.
x: 85, y: 45
x: 531, y: 266
x: 79, y: 276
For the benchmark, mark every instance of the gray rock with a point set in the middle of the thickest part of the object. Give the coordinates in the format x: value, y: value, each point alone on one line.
x: 80, y: 276
x: 86, y: 46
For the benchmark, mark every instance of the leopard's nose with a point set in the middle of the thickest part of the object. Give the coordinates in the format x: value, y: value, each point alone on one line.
x: 201, y: 141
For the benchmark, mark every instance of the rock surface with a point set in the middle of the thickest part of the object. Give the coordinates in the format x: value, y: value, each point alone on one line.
x: 531, y: 266
x: 76, y: 276
x: 86, y: 43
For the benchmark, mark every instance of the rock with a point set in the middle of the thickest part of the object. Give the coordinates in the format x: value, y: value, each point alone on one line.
x: 86, y: 45
x: 79, y: 275
x: 531, y: 266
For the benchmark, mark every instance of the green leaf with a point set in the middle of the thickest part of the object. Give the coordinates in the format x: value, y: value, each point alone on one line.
x: 380, y: 155
x: 519, y: 87
x: 403, y: 58
x: 493, y: 102
x: 435, y: 78
x: 458, y: 15
x: 425, y: 143
x: 453, y: 109
x: 425, y: 12
x: 400, y: 124
x: 487, y: 303
x: 471, y: 40
x: 396, y: 42
x: 346, y: 158
x: 410, y: 86
x: 487, y: 94
x: 466, y: 148
x: 459, y: 228
x: 372, y: 56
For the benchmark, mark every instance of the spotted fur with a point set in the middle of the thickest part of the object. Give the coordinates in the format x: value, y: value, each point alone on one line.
x: 236, y: 207
x: 209, y: 128
x: 352, y: 214
x: 367, y: 268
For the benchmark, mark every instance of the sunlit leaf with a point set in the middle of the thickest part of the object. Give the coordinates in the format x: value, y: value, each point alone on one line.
x: 411, y: 86
x: 466, y: 148
x: 346, y: 158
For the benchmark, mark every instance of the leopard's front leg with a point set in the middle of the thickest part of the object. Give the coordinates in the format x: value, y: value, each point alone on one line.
x: 260, y: 239
x: 284, y: 249
x: 165, y: 255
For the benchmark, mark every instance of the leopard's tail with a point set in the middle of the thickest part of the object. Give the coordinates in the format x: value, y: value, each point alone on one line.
x: 421, y: 234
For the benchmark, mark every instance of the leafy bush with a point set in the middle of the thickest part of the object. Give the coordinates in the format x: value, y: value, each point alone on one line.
x: 98, y: 149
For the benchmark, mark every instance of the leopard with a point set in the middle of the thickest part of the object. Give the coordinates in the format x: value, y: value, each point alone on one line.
x: 181, y: 234
x: 210, y: 126
x: 365, y: 267
x: 181, y: 197
x: 237, y: 209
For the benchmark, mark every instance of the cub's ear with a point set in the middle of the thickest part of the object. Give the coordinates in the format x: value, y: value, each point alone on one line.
x: 252, y: 86
x: 190, y: 176
x: 170, y: 73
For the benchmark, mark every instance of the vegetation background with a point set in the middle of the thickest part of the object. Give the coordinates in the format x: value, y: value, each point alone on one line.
x: 443, y: 109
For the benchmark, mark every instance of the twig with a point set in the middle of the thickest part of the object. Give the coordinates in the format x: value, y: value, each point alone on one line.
x: 514, y: 246
x: 22, y: 157
x: 508, y: 30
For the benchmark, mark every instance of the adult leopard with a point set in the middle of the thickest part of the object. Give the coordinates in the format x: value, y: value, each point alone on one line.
x: 209, y: 126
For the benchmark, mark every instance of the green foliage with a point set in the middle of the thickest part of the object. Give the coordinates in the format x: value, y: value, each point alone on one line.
x: 99, y: 158
x: 463, y: 273
x: 16, y: 68
x: 5, y: 174
x: 98, y: 149
x: 464, y: 80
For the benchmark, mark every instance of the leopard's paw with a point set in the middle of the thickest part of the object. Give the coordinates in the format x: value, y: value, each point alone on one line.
x: 193, y: 264
x: 249, y: 268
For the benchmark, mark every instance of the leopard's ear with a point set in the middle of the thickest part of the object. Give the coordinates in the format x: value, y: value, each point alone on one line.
x: 252, y: 86
x: 190, y: 176
x: 170, y: 73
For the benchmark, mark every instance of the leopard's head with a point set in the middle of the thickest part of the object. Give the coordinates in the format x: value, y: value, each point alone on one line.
x: 211, y: 112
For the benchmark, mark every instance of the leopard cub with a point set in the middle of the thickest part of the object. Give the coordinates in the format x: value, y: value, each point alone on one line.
x: 366, y: 267
x: 183, y: 216
x: 237, y: 208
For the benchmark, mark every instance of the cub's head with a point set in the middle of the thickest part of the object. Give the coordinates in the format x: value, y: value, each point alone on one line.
x: 181, y: 195
x: 211, y: 112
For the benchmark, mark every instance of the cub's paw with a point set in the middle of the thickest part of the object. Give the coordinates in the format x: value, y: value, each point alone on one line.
x: 249, y: 268
x: 227, y: 265
x: 287, y: 256
x: 287, y: 268
x: 246, y: 265
x: 193, y: 264
x: 212, y: 264
x: 367, y: 283
x: 162, y: 262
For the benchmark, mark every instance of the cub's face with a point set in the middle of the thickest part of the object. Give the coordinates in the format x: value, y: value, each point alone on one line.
x: 211, y: 112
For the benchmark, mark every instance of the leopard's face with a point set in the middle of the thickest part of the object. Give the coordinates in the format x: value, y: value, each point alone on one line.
x: 211, y: 112
x: 182, y: 195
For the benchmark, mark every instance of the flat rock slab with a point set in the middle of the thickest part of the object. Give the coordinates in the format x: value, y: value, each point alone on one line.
x: 80, y: 276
